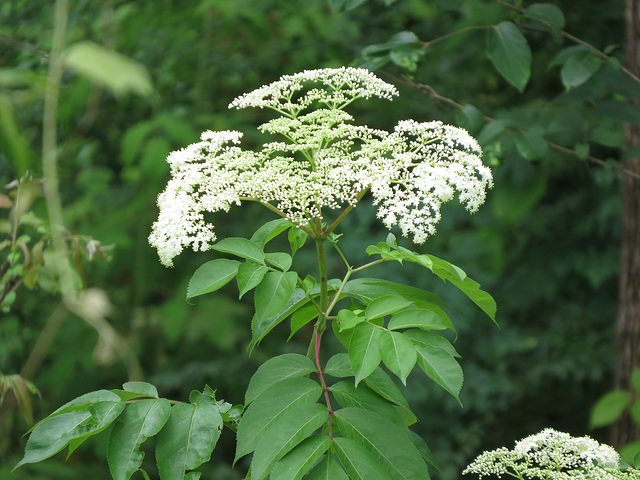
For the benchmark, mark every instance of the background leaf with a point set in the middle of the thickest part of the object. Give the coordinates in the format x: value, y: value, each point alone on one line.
x: 510, y: 53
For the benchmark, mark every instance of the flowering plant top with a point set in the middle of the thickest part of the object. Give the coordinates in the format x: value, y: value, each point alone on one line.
x: 553, y: 455
x: 322, y: 160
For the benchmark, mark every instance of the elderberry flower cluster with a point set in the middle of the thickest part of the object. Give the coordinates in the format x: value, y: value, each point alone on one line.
x: 320, y: 160
x: 553, y: 455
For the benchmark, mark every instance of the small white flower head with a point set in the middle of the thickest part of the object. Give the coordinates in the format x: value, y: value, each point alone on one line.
x: 553, y: 455
x: 320, y: 159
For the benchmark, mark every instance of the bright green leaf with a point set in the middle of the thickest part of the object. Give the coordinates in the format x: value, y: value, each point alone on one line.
x: 270, y: 230
x: 398, y: 353
x: 294, y: 425
x: 277, y: 369
x: 268, y: 407
x: 609, y: 408
x: 240, y: 247
x: 143, y: 388
x: 279, y: 260
x: 327, y: 469
x: 339, y: 366
x: 348, y: 319
x: 430, y: 339
x: 364, y: 350
x: 249, y: 276
x: 420, y: 318
x: 510, y: 53
x: 212, y: 276
x: 347, y: 395
x: 297, y: 238
x: 58, y: 430
x: 302, y: 317
x: 187, y: 439
x: 295, y: 464
x: 139, y: 421
x: 386, y: 305
x: 442, y: 368
x: 273, y: 293
x: 359, y: 462
x: 398, y: 459
x: 261, y: 326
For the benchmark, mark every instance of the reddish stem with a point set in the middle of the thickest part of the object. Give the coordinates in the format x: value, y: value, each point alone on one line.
x: 322, y: 380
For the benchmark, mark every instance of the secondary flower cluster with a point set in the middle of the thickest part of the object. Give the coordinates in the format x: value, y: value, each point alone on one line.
x: 324, y: 161
x: 553, y: 455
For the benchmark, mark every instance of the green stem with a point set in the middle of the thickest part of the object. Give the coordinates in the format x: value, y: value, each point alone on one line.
x: 49, y: 148
x: 344, y: 213
x: 321, y: 250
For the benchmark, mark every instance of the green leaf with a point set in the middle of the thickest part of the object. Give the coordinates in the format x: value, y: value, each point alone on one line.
x: 635, y: 412
x: 398, y: 354
x: 327, y: 469
x: 277, y: 369
x: 270, y: 230
x: 268, y: 407
x: 261, y: 326
x: 420, y: 318
x: 579, y: 67
x: 302, y: 317
x: 430, y: 339
x: 492, y: 131
x: 470, y: 288
x: 531, y: 144
x: 339, y: 366
x: 399, y: 459
x: 364, y: 350
x: 109, y: 69
x: 279, y: 260
x: 240, y: 247
x: 187, y: 439
x: 386, y: 305
x: 249, y: 276
x: 295, y: 464
x: 139, y: 421
x: 582, y: 150
x: 442, y: 368
x: 212, y: 276
x: 273, y: 293
x: 347, y: 395
x: 366, y: 290
x: 348, y: 319
x: 509, y: 51
x: 359, y: 462
x: 142, y: 388
x: 58, y: 430
x: 545, y: 12
x: 294, y: 425
x: 619, y: 110
x: 297, y: 238
x: 380, y: 382
x: 609, y: 408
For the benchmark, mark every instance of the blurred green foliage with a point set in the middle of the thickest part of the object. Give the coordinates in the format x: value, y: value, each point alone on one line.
x: 546, y: 245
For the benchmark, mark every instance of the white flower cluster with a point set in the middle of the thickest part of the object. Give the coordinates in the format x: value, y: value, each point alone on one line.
x: 553, y: 455
x: 324, y: 161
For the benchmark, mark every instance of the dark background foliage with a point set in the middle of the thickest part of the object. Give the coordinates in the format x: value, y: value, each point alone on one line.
x: 546, y: 244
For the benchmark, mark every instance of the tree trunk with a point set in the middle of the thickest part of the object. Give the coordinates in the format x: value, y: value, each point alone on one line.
x: 628, y: 354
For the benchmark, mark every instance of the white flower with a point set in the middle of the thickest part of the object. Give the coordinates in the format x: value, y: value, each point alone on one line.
x: 325, y: 161
x: 553, y: 455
